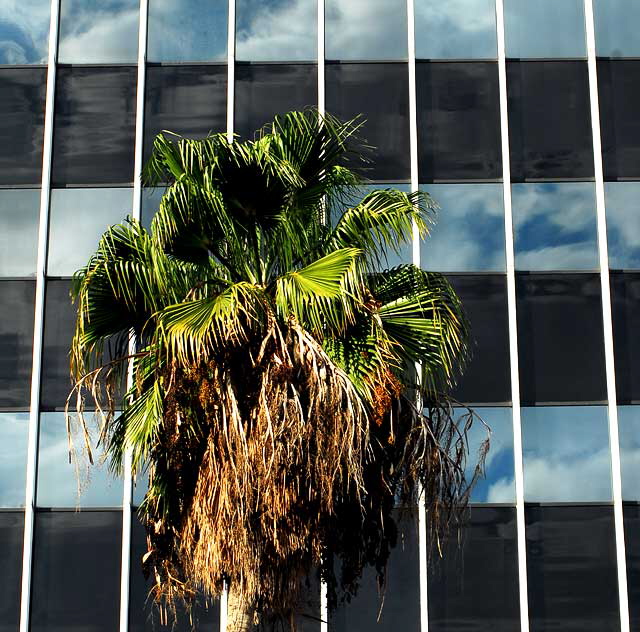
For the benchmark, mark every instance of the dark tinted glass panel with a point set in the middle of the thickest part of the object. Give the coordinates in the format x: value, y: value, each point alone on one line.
x: 354, y: 89
x: 150, y: 204
x: 261, y: 92
x: 625, y: 291
x: 560, y: 338
x: 94, y: 125
x: 23, y: 93
x: 571, y: 569
x: 629, y: 434
x: 623, y: 224
x: 76, y: 571
x: 17, y: 305
x: 14, y: 428
x: 616, y: 24
x: 486, y: 378
x: 24, y: 31
x: 11, y: 538
x: 19, y: 213
x: 474, y: 586
x: 618, y: 82
x: 458, y: 121
x: 187, y: 100
x: 549, y: 120
x: 632, y: 549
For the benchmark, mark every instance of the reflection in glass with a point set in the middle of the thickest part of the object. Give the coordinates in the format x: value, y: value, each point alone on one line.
x: 566, y: 454
x: 623, y: 224
x: 98, y: 31
x: 187, y: 30
x: 629, y: 433
x: 468, y: 235
x: 19, y: 214
x: 14, y: 428
x: 151, y: 197
x: 456, y: 29
x: 276, y: 30
x: 616, y: 23
x: 366, y: 29
x: 11, y: 541
x: 545, y: 28
x: 24, y: 31
x: 632, y: 550
x: 555, y: 226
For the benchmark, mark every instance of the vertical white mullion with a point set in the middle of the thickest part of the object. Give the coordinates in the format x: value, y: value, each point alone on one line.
x: 231, y: 68
x: 513, y: 331
x: 616, y: 475
x: 36, y: 369
x: 321, y: 54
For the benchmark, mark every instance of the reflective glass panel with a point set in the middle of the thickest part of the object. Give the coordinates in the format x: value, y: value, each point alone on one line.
x: 469, y: 232
x: 23, y: 93
x: 555, y: 226
x: 566, y: 454
x: 354, y: 89
x: 19, y: 214
x: 458, y: 121
x: 560, y: 338
x: 187, y: 30
x: 629, y: 434
x: 98, y: 31
x: 544, y: 28
x: 94, y: 125
x: 276, y: 30
x: 90, y: 212
x: 11, y: 541
x: 150, y: 203
x: 632, y: 550
x: 616, y: 23
x: 457, y: 29
x: 474, y: 586
x: 24, y: 31
x: 623, y: 224
x: 366, y: 29
x: 571, y: 569
x: 549, y: 120
x: 17, y: 307
x: 14, y: 428
x: 76, y: 571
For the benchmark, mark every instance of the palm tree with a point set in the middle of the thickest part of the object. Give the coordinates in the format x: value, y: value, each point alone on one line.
x: 273, y: 386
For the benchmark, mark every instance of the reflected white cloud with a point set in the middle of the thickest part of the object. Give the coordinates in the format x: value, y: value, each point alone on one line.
x: 19, y: 212
x: 616, y: 24
x: 14, y: 429
x: 629, y: 427
x: 623, y: 224
x: 24, y: 31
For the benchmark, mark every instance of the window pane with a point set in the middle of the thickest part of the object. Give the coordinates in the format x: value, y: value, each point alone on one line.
x: 262, y: 91
x: 616, y: 24
x: 458, y: 29
x: 623, y: 224
x: 17, y: 306
x: 151, y: 197
x: 474, y: 586
x: 277, y: 31
x: 354, y: 89
x: 545, y: 28
x: 566, y: 454
x: 11, y: 541
x: 23, y: 93
x: 629, y: 434
x: 94, y: 125
x: 24, y: 31
x: 555, y: 226
x: 549, y: 120
x: 366, y: 29
x: 14, y: 428
x: 560, y: 338
x: 98, y: 31
x: 187, y: 30
x: 19, y: 214
x: 571, y: 569
x: 469, y: 232
x: 632, y: 549
x: 76, y: 571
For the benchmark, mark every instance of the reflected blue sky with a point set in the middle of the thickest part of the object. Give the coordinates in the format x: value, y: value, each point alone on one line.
x: 187, y: 30
x: 24, y: 31
x: 566, y: 454
x: 469, y: 232
x: 616, y: 24
x: 456, y: 29
x: 19, y: 212
x: 14, y: 429
x: 555, y: 226
x: 629, y: 433
x: 623, y: 224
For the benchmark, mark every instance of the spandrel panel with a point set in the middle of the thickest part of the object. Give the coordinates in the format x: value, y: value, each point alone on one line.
x: 622, y: 200
x: 457, y: 29
x: 632, y: 550
x: 14, y: 428
x: 629, y: 435
x: 19, y: 215
x: 11, y: 542
x: 98, y: 31
x: 616, y: 23
x: 566, y: 454
x: 468, y: 235
x: 276, y: 30
x: 187, y: 30
x: 24, y: 31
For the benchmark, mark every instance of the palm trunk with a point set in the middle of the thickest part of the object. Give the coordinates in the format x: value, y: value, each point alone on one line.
x: 240, y: 616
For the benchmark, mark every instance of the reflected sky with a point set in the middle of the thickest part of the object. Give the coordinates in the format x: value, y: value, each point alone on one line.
x: 98, y: 31
x: 151, y: 197
x: 24, y: 31
x: 629, y: 433
x: 555, y: 226
x: 545, y: 28
x: 77, y: 219
x: 59, y: 481
x: 276, y: 30
x: 469, y: 232
x: 456, y: 29
x: 14, y: 428
x: 623, y: 224
x: 19, y: 211
x: 366, y: 29
x: 187, y: 30
x: 616, y: 24
x: 566, y: 454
